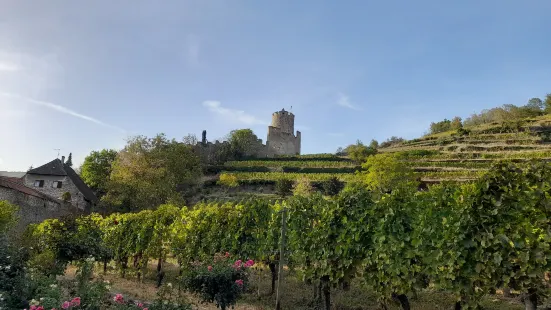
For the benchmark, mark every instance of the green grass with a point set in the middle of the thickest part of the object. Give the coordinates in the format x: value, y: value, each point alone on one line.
x: 293, y: 163
x: 274, y: 176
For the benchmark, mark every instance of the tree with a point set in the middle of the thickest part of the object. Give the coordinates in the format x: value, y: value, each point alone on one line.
x: 392, y: 141
x: 456, y: 123
x: 535, y: 104
x: 442, y: 126
x: 96, y: 170
x: 69, y: 161
x: 359, y: 152
x: 384, y: 172
x: 374, y: 144
x: 547, y: 103
x: 190, y: 139
x: 243, y: 142
x: 152, y: 171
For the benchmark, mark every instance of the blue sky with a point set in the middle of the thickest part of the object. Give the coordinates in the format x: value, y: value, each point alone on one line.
x: 82, y: 76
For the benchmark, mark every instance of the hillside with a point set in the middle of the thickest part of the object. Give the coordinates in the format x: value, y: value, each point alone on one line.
x: 451, y: 155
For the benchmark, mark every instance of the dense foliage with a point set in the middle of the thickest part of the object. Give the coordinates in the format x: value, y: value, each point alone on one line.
x: 96, y: 170
x: 468, y: 239
x: 151, y: 171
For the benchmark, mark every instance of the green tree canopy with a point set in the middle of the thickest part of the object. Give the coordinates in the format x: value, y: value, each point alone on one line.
x: 151, y: 171
x: 359, y: 152
x: 385, y: 172
x: 243, y: 142
x: 96, y: 170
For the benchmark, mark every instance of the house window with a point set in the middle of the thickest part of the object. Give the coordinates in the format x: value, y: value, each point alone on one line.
x: 39, y: 183
x: 56, y: 184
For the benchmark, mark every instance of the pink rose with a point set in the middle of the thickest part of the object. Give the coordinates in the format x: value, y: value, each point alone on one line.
x: 249, y: 263
x: 33, y: 307
x: 75, y: 302
x: 140, y: 305
x: 145, y: 309
x: 66, y: 305
x: 227, y: 254
x: 118, y: 299
x: 239, y: 282
x: 209, y: 268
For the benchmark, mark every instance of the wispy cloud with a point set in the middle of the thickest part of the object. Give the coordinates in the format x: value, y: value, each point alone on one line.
x: 344, y: 101
x: 60, y: 109
x: 232, y: 114
x: 9, y: 67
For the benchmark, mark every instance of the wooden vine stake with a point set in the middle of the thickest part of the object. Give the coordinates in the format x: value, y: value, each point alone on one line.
x: 281, y: 258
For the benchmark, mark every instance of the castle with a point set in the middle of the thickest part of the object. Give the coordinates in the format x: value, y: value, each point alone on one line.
x: 281, y: 140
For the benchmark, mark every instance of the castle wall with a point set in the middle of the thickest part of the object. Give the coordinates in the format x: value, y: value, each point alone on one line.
x: 282, y: 143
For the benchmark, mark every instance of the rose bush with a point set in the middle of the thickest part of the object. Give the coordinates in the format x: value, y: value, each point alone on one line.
x: 220, y: 281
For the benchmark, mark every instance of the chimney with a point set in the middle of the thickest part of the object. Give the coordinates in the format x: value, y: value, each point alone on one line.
x: 62, y: 159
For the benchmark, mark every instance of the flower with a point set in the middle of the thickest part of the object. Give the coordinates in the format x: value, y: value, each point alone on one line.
x: 145, y: 309
x: 239, y: 282
x: 75, y: 302
x: 237, y: 264
x: 209, y: 268
x: 140, y: 305
x: 227, y: 254
x: 66, y: 305
x: 40, y: 308
x: 33, y: 307
x: 249, y: 263
x: 118, y: 298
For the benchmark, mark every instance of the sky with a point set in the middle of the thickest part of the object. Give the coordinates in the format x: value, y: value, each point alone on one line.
x: 85, y: 75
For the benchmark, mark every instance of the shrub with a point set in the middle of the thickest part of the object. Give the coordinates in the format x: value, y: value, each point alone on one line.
x: 284, y: 187
x: 332, y: 186
x: 8, y: 216
x: 220, y: 281
x: 66, y: 197
x: 228, y: 180
x: 303, y: 187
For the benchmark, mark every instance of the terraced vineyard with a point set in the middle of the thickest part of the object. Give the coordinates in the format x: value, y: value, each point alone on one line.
x: 446, y: 156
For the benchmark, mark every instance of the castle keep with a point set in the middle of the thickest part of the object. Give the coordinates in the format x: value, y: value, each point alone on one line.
x: 281, y: 138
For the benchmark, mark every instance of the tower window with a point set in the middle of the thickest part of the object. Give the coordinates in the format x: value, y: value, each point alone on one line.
x: 39, y: 183
x: 56, y: 184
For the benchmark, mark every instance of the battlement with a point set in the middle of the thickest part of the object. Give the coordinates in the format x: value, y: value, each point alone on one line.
x: 284, y: 120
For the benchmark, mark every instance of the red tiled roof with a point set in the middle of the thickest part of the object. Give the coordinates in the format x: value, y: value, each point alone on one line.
x: 17, y: 184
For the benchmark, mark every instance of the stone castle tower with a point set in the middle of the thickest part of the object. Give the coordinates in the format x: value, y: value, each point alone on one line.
x: 281, y: 138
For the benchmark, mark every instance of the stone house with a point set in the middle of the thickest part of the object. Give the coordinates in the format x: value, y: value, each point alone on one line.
x: 58, y: 180
x: 34, y: 206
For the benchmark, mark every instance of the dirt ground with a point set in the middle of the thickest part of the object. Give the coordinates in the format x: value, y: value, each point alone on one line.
x: 295, y: 293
